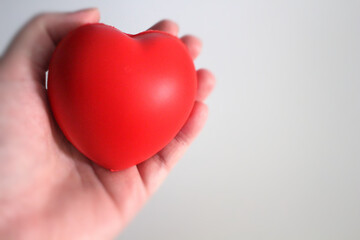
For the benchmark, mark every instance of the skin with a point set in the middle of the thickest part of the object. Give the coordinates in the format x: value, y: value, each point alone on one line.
x: 48, y: 189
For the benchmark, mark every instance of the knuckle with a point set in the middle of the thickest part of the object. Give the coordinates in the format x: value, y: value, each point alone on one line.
x: 39, y: 18
x: 182, y: 139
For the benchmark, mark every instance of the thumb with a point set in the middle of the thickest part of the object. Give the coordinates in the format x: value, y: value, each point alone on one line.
x: 35, y: 42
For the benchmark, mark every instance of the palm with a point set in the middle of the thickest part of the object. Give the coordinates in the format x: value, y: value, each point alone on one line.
x: 56, y: 184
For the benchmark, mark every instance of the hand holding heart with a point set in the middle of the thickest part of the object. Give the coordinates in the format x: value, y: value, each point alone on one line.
x: 48, y: 188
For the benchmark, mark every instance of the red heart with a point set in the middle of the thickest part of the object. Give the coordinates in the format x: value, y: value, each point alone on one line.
x: 120, y: 98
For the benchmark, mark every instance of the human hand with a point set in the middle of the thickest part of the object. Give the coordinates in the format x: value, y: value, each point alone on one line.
x: 48, y: 189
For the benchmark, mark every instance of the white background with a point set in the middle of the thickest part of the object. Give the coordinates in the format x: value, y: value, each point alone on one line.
x: 279, y: 157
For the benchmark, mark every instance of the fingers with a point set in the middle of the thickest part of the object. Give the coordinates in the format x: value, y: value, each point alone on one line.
x: 36, y: 41
x: 166, y: 26
x: 154, y: 170
x: 193, y: 44
x: 206, y: 83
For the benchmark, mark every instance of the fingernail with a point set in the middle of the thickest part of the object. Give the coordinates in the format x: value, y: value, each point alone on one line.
x: 86, y: 10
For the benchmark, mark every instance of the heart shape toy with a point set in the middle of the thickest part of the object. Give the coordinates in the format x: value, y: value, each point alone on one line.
x: 120, y: 98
